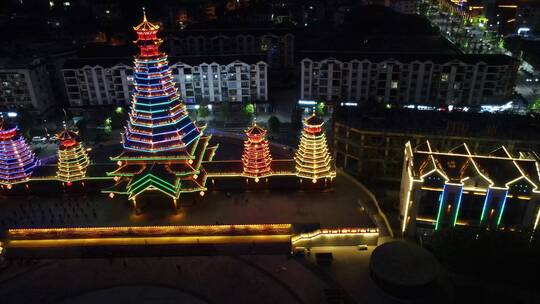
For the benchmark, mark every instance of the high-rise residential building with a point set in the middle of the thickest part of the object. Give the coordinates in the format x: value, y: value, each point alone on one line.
x: 424, y: 79
x: 276, y: 47
x: 99, y: 81
x: 458, y: 188
x: 25, y: 85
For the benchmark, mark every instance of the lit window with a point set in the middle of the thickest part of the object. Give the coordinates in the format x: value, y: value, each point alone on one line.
x: 394, y: 84
x: 444, y: 77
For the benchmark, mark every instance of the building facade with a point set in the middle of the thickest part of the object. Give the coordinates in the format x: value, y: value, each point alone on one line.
x: 469, y: 80
x: 370, y: 146
x: 26, y: 86
x: 493, y: 191
x: 91, y: 82
x: 278, y: 49
x: 528, y: 17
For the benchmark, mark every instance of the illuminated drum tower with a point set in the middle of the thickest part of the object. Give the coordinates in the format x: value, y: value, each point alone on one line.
x: 17, y: 161
x: 256, y: 158
x: 163, y: 148
x: 313, y: 160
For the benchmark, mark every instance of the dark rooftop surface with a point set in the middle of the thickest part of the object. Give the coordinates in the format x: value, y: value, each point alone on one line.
x: 495, y: 126
x: 376, y: 29
x: 190, y: 60
x: 490, y: 59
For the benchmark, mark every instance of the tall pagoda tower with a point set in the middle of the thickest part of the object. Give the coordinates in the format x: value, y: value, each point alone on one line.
x: 163, y: 148
x: 73, y: 160
x: 17, y: 161
x: 313, y: 160
x: 256, y: 158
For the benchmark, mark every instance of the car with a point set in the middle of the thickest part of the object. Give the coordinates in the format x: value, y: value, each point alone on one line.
x: 362, y: 247
x: 39, y: 140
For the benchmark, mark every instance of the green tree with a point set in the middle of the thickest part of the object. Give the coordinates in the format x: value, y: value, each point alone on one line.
x: 203, y: 110
x: 249, y: 110
x: 274, y: 124
x: 108, y: 125
x: 321, y: 109
x: 535, y: 106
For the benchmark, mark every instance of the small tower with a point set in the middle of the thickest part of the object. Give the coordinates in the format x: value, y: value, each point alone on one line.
x: 72, y: 157
x: 313, y: 161
x: 256, y: 158
x: 17, y: 161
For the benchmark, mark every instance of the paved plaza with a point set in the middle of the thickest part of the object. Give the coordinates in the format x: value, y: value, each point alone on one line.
x: 194, y: 279
x: 331, y: 208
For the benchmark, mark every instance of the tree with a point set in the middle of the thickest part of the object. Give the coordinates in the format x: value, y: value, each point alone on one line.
x: 535, y: 106
x: 24, y: 122
x: 83, y: 128
x: 249, y: 110
x: 203, y: 110
x: 296, y: 120
x: 274, y: 124
x: 225, y: 111
x: 108, y: 125
x: 118, y: 118
x: 320, y: 109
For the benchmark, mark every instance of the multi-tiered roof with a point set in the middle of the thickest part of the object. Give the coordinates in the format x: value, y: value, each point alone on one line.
x: 256, y: 158
x: 163, y: 147
x: 73, y: 160
x: 17, y: 161
x: 313, y: 160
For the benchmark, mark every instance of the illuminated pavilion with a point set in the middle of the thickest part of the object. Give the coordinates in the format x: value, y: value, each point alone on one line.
x: 458, y: 189
x: 73, y: 160
x: 313, y: 160
x: 163, y: 148
x: 17, y: 161
x: 256, y: 158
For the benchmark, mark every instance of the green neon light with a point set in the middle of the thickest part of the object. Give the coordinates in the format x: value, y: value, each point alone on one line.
x: 152, y: 178
x: 458, y: 205
x: 485, y: 205
x: 502, y: 208
x: 441, y: 199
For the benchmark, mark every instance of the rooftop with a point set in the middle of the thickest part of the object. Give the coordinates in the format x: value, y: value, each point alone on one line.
x: 108, y: 62
x: 376, y: 29
x: 439, y: 123
x: 489, y: 59
x: 499, y: 168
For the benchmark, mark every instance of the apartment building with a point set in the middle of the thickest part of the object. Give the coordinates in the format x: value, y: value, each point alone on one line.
x: 369, y: 143
x: 277, y: 48
x: 424, y: 79
x: 460, y: 189
x: 25, y: 85
x: 213, y: 82
x: 99, y: 81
